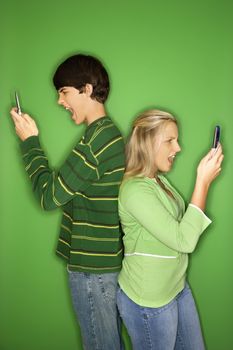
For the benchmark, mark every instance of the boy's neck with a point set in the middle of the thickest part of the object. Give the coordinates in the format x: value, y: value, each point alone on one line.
x: 96, y: 111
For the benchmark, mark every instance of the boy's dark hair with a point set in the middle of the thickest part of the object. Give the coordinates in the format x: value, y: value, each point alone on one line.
x: 79, y: 70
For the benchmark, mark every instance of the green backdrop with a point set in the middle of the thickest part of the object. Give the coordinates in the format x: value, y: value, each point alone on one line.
x: 175, y: 55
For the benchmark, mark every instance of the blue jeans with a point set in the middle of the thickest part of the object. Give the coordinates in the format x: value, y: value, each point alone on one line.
x: 94, y: 301
x: 172, y: 326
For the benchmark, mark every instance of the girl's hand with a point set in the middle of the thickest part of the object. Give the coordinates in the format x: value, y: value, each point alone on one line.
x: 25, y: 126
x: 210, y: 166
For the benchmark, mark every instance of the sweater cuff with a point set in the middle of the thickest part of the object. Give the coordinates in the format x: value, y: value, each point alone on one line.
x: 202, y: 212
x: 197, y: 218
x: 29, y: 143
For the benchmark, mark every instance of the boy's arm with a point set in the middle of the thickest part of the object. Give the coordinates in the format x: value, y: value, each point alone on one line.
x: 54, y: 189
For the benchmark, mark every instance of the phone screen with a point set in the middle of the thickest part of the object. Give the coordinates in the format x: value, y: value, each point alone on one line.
x: 216, y: 136
x: 19, y: 111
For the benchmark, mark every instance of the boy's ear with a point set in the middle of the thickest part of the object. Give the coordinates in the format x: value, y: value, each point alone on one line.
x: 88, y: 89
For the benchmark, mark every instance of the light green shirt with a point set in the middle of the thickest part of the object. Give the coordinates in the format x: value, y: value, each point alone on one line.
x: 158, y: 235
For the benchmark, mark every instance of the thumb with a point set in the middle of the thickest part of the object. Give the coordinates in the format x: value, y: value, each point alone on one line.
x: 211, y: 153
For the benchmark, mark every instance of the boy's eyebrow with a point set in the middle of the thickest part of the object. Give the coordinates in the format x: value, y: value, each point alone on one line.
x: 61, y: 89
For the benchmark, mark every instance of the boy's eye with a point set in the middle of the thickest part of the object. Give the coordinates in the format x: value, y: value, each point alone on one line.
x: 63, y: 91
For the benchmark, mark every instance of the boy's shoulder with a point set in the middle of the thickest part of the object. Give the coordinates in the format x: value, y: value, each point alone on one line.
x: 102, y: 126
x: 103, y: 132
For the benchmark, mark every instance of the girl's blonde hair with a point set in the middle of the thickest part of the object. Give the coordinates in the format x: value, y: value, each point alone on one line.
x: 140, y: 149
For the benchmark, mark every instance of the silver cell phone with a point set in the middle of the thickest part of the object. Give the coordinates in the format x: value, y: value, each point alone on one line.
x: 216, y: 136
x: 19, y: 111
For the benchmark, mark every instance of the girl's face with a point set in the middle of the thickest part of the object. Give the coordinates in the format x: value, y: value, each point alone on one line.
x: 167, y: 147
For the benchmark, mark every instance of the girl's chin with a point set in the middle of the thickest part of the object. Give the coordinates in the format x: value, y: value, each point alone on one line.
x: 166, y: 170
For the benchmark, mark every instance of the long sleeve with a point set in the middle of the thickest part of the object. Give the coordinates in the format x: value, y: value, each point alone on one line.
x: 144, y: 204
x: 55, y: 188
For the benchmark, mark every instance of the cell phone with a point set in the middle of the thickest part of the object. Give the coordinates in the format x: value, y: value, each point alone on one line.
x: 19, y: 111
x: 216, y: 136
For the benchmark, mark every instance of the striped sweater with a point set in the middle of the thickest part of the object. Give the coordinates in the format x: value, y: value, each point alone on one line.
x: 86, y: 188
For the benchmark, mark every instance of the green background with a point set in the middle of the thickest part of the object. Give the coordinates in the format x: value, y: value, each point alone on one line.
x: 175, y: 55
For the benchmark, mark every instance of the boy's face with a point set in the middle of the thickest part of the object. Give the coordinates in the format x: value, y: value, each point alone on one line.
x: 74, y: 101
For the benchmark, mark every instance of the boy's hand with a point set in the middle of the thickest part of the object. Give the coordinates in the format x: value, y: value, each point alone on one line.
x: 25, y: 126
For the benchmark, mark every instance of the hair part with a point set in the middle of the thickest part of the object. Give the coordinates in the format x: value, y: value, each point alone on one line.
x: 79, y: 70
x: 141, y: 146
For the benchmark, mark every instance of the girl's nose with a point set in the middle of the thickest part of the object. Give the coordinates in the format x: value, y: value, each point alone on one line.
x: 178, y: 148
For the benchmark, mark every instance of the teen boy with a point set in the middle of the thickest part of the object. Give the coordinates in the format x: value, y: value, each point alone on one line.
x: 86, y: 189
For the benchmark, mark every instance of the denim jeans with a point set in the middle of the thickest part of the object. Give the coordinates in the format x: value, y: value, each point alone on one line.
x: 172, y: 326
x: 94, y: 301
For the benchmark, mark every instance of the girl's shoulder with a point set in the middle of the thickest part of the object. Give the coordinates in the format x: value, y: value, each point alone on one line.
x: 137, y: 183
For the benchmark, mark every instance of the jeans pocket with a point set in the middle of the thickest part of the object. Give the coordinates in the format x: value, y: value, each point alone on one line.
x: 150, y: 312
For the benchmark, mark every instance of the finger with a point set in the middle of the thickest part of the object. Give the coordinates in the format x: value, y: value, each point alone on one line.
x: 211, y: 153
x: 219, y: 147
x: 220, y: 159
x: 28, y: 118
x: 15, y: 116
x: 25, y: 121
x: 15, y: 119
x: 218, y: 171
x: 217, y: 151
